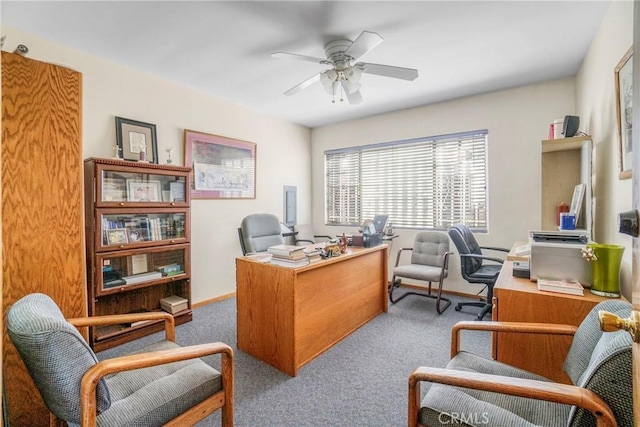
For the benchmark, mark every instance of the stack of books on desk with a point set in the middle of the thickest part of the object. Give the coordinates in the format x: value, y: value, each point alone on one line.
x: 561, y: 286
x: 288, y: 255
x: 289, y: 252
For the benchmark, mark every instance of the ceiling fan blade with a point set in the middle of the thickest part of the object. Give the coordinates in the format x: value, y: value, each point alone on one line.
x: 305, y: 84
x: 388, y: 71
x: 295, y: 56
x: 363, y: 44
x: 353, y: 98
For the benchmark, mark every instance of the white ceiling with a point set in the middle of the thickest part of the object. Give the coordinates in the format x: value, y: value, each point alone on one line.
x: 460, y: 48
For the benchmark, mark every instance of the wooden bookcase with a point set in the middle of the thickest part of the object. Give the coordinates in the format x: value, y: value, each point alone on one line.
x: 138, y: 243
x: 566, y: 162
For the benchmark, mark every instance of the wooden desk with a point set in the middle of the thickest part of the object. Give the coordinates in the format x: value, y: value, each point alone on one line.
x: 519, y: 300
x: 288, y: 316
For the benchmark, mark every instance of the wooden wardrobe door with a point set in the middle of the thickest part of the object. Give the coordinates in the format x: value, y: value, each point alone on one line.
x: 42, y: 214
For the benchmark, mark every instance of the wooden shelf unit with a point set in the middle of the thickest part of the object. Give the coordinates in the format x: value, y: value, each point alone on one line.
x: 137, y: 219
x: 566, y: 162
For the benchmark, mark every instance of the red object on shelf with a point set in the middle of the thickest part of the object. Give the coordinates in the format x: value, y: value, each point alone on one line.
x: 562, y: 207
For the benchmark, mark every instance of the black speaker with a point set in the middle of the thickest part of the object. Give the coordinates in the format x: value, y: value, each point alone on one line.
x: 570, y: 127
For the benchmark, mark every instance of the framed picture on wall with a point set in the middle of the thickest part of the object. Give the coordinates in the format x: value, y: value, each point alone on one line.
x: 223, y: 168
x: 624, y: 112
x: 136, y: 140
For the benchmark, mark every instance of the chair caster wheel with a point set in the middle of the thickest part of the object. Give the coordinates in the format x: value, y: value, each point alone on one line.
x: 458, y: 308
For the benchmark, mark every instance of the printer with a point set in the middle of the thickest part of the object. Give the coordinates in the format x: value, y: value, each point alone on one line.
x: 557, y: 255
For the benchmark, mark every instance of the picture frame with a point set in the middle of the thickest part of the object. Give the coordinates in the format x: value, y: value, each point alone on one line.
x: 144, y: 191
x: 222, y: 168
x: 624, y: 112
x: 117, y: 236
x: 576, y: 200
x: 137, y: 141
x: 136, y: 235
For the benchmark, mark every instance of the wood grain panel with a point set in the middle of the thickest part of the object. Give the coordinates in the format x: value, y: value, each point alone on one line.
x: 519, y: 300
x: 265, y: 315
x: 42, y: 217
x: 287, y: 317
x: 334, y: 301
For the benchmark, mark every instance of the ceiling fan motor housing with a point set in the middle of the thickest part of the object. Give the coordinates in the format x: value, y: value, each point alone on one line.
x: 335, y: 51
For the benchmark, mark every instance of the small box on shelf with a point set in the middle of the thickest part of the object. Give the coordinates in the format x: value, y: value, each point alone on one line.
x: 174, y: 304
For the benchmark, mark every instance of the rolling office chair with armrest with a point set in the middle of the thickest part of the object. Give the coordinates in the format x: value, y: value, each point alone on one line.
x: 473, y: 390
x: 475, y: 266
x: 429, y: 263
x: 259, y: 231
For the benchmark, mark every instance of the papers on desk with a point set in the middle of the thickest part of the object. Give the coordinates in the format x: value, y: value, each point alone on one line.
x: 523, y: 250
x: 561, y: 286
x: 260, y: 257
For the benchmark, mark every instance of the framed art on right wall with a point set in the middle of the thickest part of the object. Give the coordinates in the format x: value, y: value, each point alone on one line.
x: 624, y: 112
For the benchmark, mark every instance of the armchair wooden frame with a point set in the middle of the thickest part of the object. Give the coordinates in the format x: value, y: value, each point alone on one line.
x: 223, y: 399
x: 541, y: 390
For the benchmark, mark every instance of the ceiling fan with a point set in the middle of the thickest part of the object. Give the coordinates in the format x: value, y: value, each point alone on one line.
x: 343, y: 77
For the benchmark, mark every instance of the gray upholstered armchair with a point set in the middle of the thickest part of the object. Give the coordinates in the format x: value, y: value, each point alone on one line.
x: 429, y: 263
x: 160, y: 384
x: 476, y: 391
x: 259, y: 231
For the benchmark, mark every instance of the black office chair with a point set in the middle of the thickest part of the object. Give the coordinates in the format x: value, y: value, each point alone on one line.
x: 475, y: 266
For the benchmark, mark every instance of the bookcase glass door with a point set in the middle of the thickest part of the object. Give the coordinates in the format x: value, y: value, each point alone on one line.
x: 120, y: 186
x: 123, y: 271
x: 130, y: 229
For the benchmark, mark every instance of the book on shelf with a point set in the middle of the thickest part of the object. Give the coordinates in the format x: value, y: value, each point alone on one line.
x: 286, y: 250
x: 571, y: 287
x: 290, y: 263
x: 170, y: 269
x: 144, y: 277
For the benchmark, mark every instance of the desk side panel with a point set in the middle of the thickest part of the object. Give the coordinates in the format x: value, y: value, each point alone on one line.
x: 335, y: 300
x: 519, y: 300
x: 264, y: 298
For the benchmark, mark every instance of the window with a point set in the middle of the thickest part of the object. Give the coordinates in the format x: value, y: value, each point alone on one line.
x: 423, y: 183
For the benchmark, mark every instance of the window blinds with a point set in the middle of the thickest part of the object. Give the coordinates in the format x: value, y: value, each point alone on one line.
x: 423, y: 183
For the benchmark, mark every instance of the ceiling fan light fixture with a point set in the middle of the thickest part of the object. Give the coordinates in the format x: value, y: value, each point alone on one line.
x: 327, y: 78
x: 353, y: 74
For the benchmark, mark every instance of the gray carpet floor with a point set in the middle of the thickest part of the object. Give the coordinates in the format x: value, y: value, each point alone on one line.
x: 361, y: 381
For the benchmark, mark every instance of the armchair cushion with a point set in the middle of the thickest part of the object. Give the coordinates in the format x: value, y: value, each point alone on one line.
x: 419, y: 272
x: 475, y: 407
x: 154, y: 395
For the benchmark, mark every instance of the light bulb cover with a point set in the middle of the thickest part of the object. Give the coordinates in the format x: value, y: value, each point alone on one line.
x: 327, y: 78
x: 353, y: 74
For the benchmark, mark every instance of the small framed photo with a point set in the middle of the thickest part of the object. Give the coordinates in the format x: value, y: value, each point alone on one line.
x: 137, y: 140
x: 144, y: 191
x: 117, y: 236
x: 136, y: 235
x: 576, y: 200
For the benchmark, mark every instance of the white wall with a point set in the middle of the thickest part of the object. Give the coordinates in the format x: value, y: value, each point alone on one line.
x: 596, y: 106
x: 517, y: 120
x: 283, y: 149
